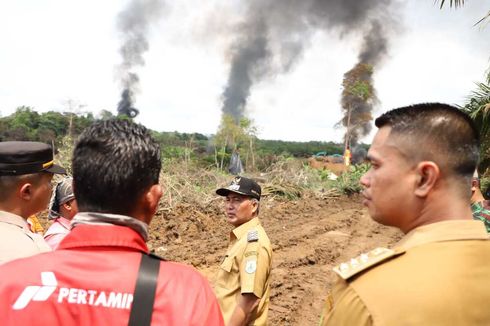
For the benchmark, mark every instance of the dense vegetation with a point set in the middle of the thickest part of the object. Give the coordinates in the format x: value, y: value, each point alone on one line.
x: 198, y: 150
x: 53, y: 127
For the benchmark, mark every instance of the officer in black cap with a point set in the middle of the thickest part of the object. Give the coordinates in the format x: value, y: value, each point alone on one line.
x: 26, y: 170
x: 244, y: 276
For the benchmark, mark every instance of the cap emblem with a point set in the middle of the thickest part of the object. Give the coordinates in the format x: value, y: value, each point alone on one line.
x: 234, y: 187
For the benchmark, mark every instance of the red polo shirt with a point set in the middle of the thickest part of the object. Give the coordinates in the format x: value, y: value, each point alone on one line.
x: 90, y: 280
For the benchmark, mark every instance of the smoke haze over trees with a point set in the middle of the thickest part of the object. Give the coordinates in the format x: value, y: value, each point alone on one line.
x: 272, y: 36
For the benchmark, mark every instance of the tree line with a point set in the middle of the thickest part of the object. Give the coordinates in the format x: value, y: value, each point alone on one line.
x: 53, y: 127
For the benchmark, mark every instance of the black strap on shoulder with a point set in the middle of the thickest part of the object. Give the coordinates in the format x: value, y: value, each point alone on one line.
x: 145, y: 290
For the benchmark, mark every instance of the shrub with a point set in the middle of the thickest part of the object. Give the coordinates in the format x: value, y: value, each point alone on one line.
x: 349, y: 183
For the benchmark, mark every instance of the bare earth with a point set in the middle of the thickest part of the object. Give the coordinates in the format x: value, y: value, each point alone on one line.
x: 309, y: 237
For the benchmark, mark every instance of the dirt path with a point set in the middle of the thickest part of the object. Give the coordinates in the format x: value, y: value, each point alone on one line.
x: 309, y: 237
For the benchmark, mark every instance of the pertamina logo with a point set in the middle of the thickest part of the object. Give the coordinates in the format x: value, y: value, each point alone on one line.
x: 49, y: 285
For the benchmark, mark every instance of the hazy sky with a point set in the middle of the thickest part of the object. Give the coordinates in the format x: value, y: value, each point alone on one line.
x: 54, y: 50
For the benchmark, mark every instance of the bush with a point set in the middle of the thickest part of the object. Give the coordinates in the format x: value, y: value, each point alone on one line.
x: 349, y: 183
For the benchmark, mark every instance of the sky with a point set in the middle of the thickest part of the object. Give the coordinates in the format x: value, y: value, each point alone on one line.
x: 57, y: 51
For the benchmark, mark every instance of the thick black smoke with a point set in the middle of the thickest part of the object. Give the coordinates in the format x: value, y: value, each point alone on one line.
x: 125, y: 105
x: 358, y: 109
x: 359, y: 154
x: 249, y: 53
x: 133, y: 24
x: 374, y: 45
x: 274, y: 33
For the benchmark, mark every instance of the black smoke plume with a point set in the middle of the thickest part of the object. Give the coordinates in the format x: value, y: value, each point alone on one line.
x: 274, y: 33
x: 359, y: 95
x: 359, y: 154
x: 133, y: 24
x: 125, y: 105
x: 249, y: 53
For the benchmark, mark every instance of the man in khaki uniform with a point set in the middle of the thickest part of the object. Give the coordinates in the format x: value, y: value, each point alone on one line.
x: 422, y: 158
x: 26, y: 170
x: 244, y: 277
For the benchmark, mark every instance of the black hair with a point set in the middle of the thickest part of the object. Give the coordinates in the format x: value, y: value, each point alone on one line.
x: 9, y: 183
x: 114, y: 163
x: 438, y: 132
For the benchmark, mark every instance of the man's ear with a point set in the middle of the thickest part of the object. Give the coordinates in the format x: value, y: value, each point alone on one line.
x: 255, y: 205
x: 25, y: 191
x: 474, y: 185
x: 152, y: 198
x: 427, y: 175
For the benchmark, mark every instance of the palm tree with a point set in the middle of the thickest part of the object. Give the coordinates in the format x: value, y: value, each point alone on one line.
x: 478, y: 103
x: 478, y: 107
x: 460, y: 3
x: 455, y: 3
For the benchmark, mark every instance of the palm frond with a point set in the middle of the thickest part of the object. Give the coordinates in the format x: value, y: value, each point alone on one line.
x: 486, y: 17
x: 478, y: 107
x: 460, y: 3
x: 452, y: 3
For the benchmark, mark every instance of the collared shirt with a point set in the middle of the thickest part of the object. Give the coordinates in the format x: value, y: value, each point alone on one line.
x: 17, y: 241
x: 57, y: 231
x: 34, y: 225
x: 246, y: 268
x: 438, y: 276
x: 481, y: 212
x: 90, y: 280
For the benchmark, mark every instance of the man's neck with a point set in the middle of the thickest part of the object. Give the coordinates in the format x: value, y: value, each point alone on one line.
x: 440, y: 209
x: 13, y: 209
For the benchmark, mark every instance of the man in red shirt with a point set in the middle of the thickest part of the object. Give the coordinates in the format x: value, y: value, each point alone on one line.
x: 91, y: 279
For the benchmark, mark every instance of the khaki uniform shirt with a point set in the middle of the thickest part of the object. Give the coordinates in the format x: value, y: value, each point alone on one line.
x: 246, y: 268
x: 17, y: 241
x: 438, y: 274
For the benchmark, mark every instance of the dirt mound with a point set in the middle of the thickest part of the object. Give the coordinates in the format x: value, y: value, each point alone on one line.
x: 309, y: 237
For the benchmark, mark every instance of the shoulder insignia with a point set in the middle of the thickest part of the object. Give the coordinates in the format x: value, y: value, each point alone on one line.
x: 252, y: 236
x: 364, y: 261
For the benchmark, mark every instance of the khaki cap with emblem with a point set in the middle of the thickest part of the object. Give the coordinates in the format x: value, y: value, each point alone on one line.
x: 243, y: 186
x: 27, y: 157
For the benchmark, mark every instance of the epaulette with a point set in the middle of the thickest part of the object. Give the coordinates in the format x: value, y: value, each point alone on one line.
x: 365, y: 261
x: 252, y: 235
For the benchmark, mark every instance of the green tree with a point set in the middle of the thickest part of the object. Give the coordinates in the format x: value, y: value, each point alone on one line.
x: 23, y: 124
x: 249, y: 137
x: 224, y: 138
x: 357, y: 94
x: 25, y: 116
x: 54, y: 121
x: 105, y: 115
x: 478, y: 107
x: 80, y: 122
x: 232, y: 135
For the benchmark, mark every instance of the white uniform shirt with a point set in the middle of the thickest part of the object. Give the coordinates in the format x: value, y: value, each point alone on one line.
x: 16, y: 239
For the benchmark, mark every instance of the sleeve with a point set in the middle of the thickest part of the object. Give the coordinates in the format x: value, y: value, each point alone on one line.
x: 207, y: 310
x: 255, y: 269
x: 345, y: 307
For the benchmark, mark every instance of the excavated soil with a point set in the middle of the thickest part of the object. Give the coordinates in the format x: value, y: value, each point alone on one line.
x: 309, y: 236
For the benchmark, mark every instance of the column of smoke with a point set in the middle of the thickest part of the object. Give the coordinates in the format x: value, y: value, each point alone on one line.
x: 133, y: 24
x: 374, y: 49
x: 274, y: 33
x: 250, y: 51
